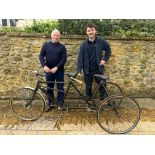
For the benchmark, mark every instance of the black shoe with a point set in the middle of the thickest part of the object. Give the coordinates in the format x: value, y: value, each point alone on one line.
x: 48, y: 108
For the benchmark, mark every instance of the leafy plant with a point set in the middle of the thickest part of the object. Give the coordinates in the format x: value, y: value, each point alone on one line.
x: 42, y: 27
x: 11, y: 29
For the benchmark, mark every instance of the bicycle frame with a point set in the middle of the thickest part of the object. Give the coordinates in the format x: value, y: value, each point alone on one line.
x: 43, y: 89
x: 108, y: 110
x: 101, y: 84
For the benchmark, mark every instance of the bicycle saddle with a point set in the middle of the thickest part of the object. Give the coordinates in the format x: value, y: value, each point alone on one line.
x: 103, y: 77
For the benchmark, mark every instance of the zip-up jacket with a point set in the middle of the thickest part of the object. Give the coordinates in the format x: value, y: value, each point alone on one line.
x: 83, y: 58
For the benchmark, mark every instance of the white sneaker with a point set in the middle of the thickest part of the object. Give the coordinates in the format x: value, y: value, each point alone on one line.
x: 60, y: 108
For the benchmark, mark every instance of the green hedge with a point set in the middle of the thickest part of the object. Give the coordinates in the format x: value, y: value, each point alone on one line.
x: 114, y: 27
x: 106, y: 27
x: 78, y: 26
x: 42, y: 27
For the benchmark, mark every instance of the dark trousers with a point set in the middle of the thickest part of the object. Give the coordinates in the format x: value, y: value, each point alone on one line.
x: 88, y: 81
x: 59, y: 77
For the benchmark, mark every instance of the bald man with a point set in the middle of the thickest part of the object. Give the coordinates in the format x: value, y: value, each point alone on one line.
x: 53, y: 57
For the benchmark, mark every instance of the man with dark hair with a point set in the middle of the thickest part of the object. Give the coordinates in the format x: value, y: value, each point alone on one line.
x: 53, y: 57
x: 90, y: 25
x: 91, y: 59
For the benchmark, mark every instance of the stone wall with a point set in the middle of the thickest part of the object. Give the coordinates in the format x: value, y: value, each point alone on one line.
x: 132, y: 64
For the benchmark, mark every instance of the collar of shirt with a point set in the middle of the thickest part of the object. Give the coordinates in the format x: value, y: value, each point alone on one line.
x: 54, y: 42
x: 89, y: 41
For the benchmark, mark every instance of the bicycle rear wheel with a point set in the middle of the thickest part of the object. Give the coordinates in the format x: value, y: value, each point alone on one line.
x: 26, y: 104
x: 120, y: 119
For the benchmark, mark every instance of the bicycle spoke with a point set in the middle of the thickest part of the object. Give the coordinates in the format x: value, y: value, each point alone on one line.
x: 26, y: 108
x: 120, y: 119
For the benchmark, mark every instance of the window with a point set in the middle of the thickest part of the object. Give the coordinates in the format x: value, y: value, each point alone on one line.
x: 8, y: 22
x: 4, y: 22
x: 12, y: 22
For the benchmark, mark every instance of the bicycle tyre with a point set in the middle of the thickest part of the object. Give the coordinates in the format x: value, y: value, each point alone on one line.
x: 22, y: 106
x: 121, y: 119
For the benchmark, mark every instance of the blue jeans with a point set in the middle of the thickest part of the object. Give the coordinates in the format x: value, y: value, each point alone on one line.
x: 59, y: 77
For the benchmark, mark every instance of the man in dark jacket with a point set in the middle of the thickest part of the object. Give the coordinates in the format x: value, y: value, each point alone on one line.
x: 91, y: 59
x: 52, y: 58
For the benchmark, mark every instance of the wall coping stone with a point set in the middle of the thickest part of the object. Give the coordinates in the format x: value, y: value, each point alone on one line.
x: 2, y: 33
x: 41, y: 35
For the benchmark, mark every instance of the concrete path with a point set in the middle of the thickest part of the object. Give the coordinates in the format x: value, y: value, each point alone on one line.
x: 69, y: 123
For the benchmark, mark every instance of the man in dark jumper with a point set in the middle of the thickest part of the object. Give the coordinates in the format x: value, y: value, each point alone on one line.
x: 53, y: 57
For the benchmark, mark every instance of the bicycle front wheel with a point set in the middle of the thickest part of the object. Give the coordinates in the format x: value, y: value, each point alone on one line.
x: 118, y: 119
x: 27, y: 104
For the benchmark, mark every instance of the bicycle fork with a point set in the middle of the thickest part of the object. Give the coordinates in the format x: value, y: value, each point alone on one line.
x: 28, y: 104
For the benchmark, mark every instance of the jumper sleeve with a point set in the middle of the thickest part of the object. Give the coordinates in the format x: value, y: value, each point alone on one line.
x: 80, y: 60
x: 42, y: 55
x: 63, y: 59
x: 107, y: 51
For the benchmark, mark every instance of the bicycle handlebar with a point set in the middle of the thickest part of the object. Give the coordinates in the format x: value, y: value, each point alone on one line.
x: 79, y: 81
x: 38, y: 74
